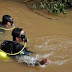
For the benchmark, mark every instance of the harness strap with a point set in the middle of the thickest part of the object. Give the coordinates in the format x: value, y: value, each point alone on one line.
x: 7, y: 29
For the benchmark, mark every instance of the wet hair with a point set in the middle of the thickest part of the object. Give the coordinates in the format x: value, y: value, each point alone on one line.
x: 5, y: 19
x: 43, y: 61
x: 16, y: 33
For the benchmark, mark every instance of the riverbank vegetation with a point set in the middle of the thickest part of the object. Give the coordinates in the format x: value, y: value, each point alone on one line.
x: 52, y: 6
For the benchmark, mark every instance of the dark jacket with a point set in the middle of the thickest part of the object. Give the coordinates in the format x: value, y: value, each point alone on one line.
x: 2, y: 26
x: 11, y: 47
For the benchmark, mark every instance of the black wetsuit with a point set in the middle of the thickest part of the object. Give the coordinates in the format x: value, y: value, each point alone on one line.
x: 13, y: 47
x: 2, y: 26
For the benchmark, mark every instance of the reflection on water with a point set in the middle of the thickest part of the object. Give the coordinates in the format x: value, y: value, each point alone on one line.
x: 48, y: 38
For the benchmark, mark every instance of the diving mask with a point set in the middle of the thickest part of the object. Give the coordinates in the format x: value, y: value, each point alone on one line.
x: 23, y: 38
x: 12, y: 22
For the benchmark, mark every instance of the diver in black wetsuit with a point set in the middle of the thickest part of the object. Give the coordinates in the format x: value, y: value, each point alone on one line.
x: 14, y: 46
x: 18, y: 50
x: 6, y: 22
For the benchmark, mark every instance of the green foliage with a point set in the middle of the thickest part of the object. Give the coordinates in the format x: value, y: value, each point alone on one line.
x: 62, y: 6
x: 54, y: 6
x: 34, y: 6
x: 42, y: 5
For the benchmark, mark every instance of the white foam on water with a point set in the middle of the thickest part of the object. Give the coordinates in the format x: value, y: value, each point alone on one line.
x: 59, y: 48
x: 38, y: 56
x: 29, y: 60
x: 61, y: 62
x: 43, y: 66
x: 26, y: 59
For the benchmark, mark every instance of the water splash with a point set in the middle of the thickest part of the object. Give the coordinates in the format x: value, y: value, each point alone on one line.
x: 38, y: 56
x: 61, y: 62
x: 60, y: 47
x: 29, y: 60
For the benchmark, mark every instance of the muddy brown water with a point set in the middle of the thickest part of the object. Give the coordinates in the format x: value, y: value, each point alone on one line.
x: 47, y: 38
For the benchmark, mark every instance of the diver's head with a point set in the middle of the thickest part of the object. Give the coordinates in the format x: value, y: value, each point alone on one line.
x: 19, y: 35
x: 45, y: 62
x: 7, y: 20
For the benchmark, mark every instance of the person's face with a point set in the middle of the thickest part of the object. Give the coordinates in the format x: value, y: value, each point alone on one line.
x: 8, y: 24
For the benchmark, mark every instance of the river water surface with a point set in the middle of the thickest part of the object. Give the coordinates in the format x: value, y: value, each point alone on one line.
x: 47, y: 38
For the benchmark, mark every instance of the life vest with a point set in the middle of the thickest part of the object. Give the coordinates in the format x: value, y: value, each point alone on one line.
x: 12, y: 47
